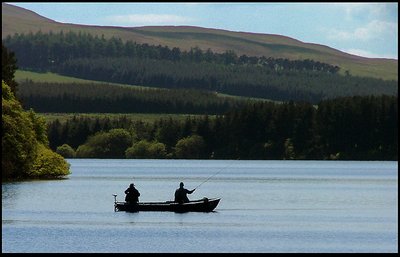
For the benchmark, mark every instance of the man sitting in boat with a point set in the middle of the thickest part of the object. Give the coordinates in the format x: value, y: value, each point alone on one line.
x: 132, y: 194
x: 181, y: 194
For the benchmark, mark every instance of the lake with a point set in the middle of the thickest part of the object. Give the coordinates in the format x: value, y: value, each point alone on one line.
x: 266, y: 206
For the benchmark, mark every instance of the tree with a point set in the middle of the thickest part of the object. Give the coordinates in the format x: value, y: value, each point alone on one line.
x: 145, y: 149
x: 48, y: 164
x: 8, y: 68
x: 86, y: 151
x: 289, y: 150
x: 191, y: 147
x: 25, y: 153
x: 25, y: 150
x: 39, y: 127
x: 66, y: 151
x: 138, y: 150
x: 157, y: 150
x: 112, y: 144
x: 18, y: 140
x: 118, y: 141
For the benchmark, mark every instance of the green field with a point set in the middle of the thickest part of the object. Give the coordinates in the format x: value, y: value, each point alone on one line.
x: 21, y: 75
x: 49, y: 77
x: 147, y: 118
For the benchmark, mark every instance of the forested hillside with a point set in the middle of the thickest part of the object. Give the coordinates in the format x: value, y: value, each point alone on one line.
x: 105, y: 98
x: 323, y: 114
x: 351, y: 128
x: 91, y: 57
x: 22, y: 21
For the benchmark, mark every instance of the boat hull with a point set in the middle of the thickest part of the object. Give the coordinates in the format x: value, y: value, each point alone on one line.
x: 203, y: 205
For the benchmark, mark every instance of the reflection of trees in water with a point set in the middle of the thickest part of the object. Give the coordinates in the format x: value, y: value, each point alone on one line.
x: 9, y: 194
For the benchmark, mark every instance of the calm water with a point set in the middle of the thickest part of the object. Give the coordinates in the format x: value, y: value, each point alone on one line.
x: 266, y: 206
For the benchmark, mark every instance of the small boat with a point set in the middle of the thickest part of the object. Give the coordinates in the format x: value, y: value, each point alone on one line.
x: 202, y: 205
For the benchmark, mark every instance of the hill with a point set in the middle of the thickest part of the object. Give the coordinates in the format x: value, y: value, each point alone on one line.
x: 19, y: 20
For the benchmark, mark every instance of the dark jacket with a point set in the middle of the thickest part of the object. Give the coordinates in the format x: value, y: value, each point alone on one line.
x: 132, y: 195
x: 181, y: 195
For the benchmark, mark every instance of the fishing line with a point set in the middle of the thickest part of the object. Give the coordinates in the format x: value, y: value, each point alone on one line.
x: 213, y: 175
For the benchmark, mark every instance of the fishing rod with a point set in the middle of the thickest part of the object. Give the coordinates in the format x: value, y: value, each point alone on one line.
x: 213, y: 175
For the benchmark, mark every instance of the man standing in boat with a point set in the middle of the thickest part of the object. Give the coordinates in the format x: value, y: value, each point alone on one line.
x: 132, y: 194
x: 181, y: 194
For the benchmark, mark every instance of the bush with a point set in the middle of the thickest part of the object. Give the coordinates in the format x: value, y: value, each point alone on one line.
x: 66, y: 151
x: 145, y: 149
x: 85, y: 151
x: 112, y: 144
x: 191, y: 147
x: 49, y: 164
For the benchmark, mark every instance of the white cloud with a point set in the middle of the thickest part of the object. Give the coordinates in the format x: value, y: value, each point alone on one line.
x: 371, y: 10
x: 374, y: 29
x: 149, y: 19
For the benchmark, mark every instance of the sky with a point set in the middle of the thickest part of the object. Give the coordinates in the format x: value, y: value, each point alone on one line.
x: 366, y: 29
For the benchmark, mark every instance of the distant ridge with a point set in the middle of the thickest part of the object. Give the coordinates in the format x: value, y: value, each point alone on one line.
x: 20, y: 20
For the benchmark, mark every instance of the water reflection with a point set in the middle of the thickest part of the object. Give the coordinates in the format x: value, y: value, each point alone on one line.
x: 9, y: 194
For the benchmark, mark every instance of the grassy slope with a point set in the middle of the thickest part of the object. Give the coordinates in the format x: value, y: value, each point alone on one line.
x: 145, y: 117
x: 15, y: 19
x: 21, y: 75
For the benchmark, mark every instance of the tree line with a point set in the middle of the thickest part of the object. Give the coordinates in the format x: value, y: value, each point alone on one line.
x: 111, y: 60
x: 349, y: 128
x: 105, y: 98
x: 43, y: 50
